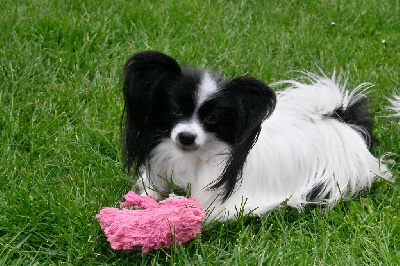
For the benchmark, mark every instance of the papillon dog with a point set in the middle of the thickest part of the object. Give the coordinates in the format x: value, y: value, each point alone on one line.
x: 240, y: 147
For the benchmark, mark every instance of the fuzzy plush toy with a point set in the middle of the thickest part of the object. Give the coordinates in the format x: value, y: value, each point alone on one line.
x: 150, y: 224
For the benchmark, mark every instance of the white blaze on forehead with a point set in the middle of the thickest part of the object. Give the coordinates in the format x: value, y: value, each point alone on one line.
x: 207, y: 87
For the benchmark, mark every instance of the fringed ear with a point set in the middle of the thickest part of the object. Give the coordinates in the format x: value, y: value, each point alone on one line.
x: 144, y: 73
x: 256, y: 101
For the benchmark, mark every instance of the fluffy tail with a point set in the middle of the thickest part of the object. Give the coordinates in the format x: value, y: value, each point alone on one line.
x: 320, y: 97
x: 346, y: 164
x: 395, y: 106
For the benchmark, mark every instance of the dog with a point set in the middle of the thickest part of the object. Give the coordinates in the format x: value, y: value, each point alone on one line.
x: 238, y: 146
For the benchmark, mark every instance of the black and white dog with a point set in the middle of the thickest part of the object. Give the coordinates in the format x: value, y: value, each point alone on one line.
x: 238, y: 145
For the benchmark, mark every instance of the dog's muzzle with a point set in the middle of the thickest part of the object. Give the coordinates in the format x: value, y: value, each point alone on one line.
x: 186, y: 141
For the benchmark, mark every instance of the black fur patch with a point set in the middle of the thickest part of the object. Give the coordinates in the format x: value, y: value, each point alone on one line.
x: 357, y: 114
x: 314, y: 194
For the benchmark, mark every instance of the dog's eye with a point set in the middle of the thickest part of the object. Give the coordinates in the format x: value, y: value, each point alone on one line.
x: 176, y: 110
x: 211, y: 119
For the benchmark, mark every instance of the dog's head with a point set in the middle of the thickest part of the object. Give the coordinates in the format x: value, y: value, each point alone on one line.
x: 191, y: 108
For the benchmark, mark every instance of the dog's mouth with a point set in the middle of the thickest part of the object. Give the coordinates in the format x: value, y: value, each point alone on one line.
x: 187, y: 148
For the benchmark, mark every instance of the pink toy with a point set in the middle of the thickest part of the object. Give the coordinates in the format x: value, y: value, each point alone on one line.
x: 153, y: 225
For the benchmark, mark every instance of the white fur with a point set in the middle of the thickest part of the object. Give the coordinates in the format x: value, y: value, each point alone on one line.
x: 193, y: 127
x: 298, y: 148
x: 395, y: 106
x: 208, y: 87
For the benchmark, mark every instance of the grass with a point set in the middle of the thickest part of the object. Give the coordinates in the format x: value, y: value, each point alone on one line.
x: 61, y: 103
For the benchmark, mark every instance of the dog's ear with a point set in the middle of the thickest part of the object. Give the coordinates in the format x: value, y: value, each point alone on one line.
x: 144, y: 73
x: 255, y: 99
x: 255, y: 102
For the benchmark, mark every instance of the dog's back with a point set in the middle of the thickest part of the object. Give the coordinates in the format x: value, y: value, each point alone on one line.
x: 314, y: 148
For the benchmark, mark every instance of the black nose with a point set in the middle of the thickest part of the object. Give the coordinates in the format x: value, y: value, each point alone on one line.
x: 186, y: 138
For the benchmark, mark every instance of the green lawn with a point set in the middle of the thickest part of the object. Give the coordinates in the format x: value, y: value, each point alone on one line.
x: 60, y: 122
